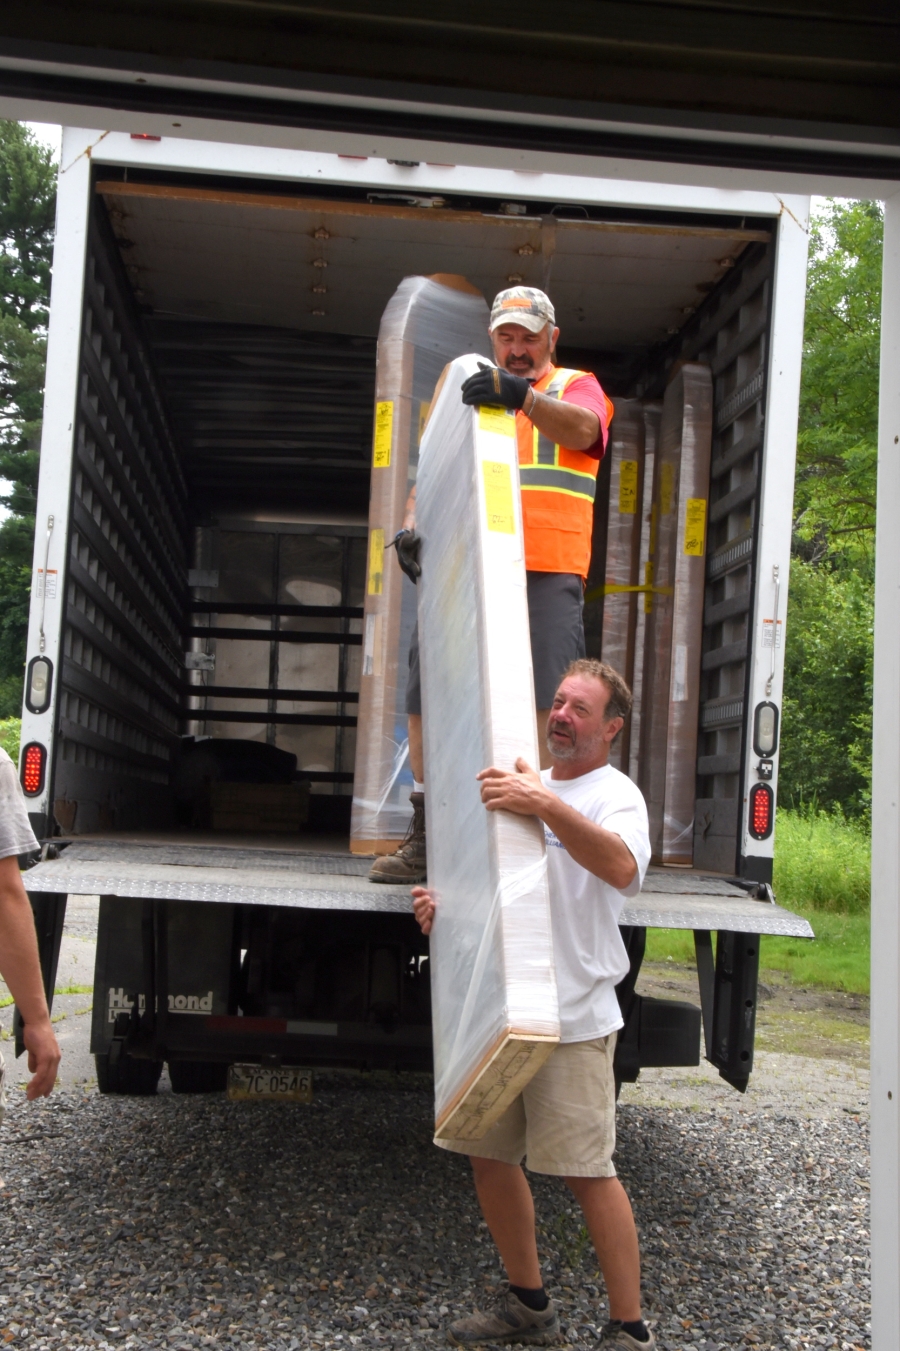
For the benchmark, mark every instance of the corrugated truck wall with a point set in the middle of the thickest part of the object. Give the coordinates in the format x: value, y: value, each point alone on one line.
x: 675, y: 623
x: 428, y: 321
x: 652, y: 415
x: 623, y: 538
x: 494, y: 1006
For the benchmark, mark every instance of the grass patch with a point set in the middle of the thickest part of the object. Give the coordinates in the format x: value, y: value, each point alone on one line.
x: 821, y: 873
x: 822, y: 862
x: 837, y: 959
x: 74, y: 989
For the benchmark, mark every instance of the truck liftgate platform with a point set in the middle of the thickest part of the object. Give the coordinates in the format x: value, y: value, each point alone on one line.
x: 234, y: 910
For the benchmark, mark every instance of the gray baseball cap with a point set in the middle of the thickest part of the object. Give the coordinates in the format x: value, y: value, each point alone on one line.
x: 524, y: 305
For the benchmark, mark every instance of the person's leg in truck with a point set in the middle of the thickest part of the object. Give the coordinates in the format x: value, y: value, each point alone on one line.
x: 563, y: 1124
x: 555, y: 604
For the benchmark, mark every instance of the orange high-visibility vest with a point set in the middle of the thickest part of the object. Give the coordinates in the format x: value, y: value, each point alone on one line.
x: 558, y: 489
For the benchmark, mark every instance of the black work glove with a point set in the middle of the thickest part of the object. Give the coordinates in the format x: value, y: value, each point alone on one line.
x: 408, y: 544
x: 491, y: 385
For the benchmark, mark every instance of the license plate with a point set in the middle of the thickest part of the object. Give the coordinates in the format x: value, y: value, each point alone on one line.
x: 252, y: 1083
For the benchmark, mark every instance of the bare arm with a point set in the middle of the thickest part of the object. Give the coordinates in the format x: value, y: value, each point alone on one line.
x: 565, y: 423
x: 21, y: 969
x: 409, y: 511
x: 600, y: 851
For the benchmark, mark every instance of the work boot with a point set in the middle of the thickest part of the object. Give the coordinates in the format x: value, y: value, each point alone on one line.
x: 509, y: 1321
x: 408, y: 864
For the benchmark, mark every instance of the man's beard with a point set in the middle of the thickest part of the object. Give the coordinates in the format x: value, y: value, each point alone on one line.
x: 576, y: 749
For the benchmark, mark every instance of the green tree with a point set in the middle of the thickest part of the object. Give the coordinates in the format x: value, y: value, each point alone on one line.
x: 27, y: 210
x: 827, y: 717
x: 834, y: 501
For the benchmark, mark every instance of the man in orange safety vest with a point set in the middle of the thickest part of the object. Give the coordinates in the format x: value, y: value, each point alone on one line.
x: 562, y: 418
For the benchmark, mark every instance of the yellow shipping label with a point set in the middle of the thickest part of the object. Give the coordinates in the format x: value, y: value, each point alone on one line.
x: 384, y: 430
x: 491, y: 419
x: 424, y: 410
x: 695, y: 526
x: 666, y: 488
x: 376, y: 563
x: 628, y: 487
x: 498, y: 497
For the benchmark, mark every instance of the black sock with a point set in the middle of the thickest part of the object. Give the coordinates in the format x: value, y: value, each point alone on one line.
x: 536, y: 1300
x: 638, y: 1330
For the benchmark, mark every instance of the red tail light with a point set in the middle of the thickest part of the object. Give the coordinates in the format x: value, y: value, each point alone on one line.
x: 34, y: 764
x: 762, y: 811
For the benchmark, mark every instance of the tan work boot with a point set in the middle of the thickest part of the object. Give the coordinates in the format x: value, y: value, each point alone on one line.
x: 509, y: 1321
x: 408, y: 864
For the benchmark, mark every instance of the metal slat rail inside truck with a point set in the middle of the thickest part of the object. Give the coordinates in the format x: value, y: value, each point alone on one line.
x: 195, y: 638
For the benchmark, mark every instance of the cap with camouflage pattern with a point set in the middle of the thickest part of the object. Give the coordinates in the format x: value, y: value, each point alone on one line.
x: 524, y: 305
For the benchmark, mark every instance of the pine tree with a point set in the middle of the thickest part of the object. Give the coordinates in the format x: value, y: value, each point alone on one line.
x: 27, y: 210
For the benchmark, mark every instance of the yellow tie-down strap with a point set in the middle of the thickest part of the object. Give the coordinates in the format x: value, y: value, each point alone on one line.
x: 611, y: 588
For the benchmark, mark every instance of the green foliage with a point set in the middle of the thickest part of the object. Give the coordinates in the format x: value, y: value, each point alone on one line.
x: 827, y: 714
x: 10, y: 737
x: 27, y: 211
x: 837, y: 443
x: 822, y: 862
x: 826, y: 749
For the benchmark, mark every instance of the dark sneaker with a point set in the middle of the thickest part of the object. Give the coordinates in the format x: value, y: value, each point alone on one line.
x: 509, y: 1321
x: 615, y: 1338
x: 408, y: 864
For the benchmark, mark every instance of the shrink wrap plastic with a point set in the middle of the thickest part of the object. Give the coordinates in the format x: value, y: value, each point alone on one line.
x: 495, y: 1013
x: 427, y: 322
x: 652, y: 414
x: 623, y: 539
x: 671, y: 689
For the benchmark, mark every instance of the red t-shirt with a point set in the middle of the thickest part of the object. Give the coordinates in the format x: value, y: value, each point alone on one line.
x: 585, y: 392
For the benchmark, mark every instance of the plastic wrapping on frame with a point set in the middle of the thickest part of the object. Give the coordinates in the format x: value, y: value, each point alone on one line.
x: 495, y: 1013
x: 427, y: 322
x: 652, y: 415
x: 623, y: 539
x: 671, y: 689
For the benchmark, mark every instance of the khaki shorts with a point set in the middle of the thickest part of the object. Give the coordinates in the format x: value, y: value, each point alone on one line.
x: 564, y: 1121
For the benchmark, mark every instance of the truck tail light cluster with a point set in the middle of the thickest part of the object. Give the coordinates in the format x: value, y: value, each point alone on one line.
x: 762, y: 811
x: 34, y: 765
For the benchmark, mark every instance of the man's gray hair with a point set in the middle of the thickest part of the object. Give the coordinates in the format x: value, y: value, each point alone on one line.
x: 620, y: 700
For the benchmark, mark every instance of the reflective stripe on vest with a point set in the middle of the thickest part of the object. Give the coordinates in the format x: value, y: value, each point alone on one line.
x: 558, y: 489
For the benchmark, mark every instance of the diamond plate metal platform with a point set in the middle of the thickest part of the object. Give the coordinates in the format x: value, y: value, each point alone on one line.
x: 330, y: 880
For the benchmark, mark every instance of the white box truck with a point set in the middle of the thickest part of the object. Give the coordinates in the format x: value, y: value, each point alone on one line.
x: 193, y: 667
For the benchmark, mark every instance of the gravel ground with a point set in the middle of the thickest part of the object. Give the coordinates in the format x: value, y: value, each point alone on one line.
x: 179, y: 1222
x: 190, y: 1221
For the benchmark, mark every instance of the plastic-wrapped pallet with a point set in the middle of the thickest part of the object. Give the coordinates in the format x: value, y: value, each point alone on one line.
x: 428, y: 321
x: 671, y: 693
x: 623, y: 540
x: 495, y: 1014
x: 652, y: 414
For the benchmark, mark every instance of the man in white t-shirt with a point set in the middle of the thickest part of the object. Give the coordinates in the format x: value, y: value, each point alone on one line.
x: 563, y: 1123
x: 19, y: 963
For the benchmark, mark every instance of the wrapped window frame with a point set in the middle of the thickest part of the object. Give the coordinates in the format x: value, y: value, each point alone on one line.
x: 427, y: 322
x: 495, y: 1013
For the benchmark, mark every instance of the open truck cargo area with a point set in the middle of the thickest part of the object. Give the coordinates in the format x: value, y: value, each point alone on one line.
x: 203, y: 562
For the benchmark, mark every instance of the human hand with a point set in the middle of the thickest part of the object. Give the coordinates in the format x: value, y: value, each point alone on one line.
x: 44, y: 1056
x: 423, y: 908
x: 492, y: 386
x: 408, y: 545
x: 521, y: 792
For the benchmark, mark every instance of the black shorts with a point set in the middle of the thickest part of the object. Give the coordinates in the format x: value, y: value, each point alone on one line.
x: 555, y: 604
